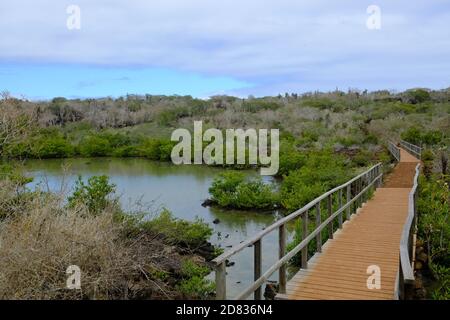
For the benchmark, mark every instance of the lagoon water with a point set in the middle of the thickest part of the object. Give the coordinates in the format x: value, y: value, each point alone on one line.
x: 149, y: 185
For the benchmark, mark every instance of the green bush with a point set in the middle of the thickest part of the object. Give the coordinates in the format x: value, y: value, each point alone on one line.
x: 95, y: 146
x: 404, y: 108
x: 126, y: 151
x: 419, y: 136
x: 156, y: 149
x: 134, y: 105
x: 15, y: 197
x: 311, y: 135
x: 412, y: 135
x: 320, y: 103
x: 52, y: 147
x: 150, y: 149
x: 442, y: 290
x: 19, y: 150
x: 418, y: 95
x: 298, y: 237
x: 347, y: 141
x: 317, y: 176
x: 193, y: 283
x: 434, y: 226
x: 14, y: 174
x: 322, y: 171
x: 290, y: 158
x: 432, y: 137
x: 197, y: 106
x: 256, y: 105
x: 169, y: 116
x: 96, y: 194
x: 116, y: 140
x: 434, y: 229
x: 295, y: 193
x: 232, y: 190
x: 427, y: 158
x: 192, y: 234
x: 363, y: 158
x: 371, y: 139
x: 165, y: 149
x: 43, y: 143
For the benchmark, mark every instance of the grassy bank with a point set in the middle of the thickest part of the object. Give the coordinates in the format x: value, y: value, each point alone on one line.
x: 121, y: 256
x: 433, y: 249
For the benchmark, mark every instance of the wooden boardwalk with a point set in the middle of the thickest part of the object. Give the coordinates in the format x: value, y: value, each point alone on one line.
x: 371, y: 237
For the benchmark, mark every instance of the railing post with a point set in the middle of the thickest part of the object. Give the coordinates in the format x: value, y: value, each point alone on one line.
x: 330, y: 212
x: 361, y: 187
x: 366, y: 193
x: 340, y: 206
x: 318, y: 222
x: 304, y: 235
x: 373, y: 180
x: 377, y: 173
x: 363, y: 195
x: 257, y: 268
x: 221, y: 284
x: 416, y: 194
x: 358, y: 193
x: 401, y: 282
x: 377, y: 183
x: 348, y: 200
x: 281, y: 253
x: 380, y: 179
x: 352, y: 195
x: 374, y: 176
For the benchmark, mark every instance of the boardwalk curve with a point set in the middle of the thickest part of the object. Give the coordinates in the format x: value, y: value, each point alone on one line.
x: 352, y: 230
x: 370, y: 238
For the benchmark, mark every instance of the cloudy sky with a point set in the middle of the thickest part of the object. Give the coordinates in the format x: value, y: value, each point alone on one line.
x: 207, y: 47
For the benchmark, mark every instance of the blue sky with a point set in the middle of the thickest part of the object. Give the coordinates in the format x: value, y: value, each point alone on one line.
x: 204, y: 47
x: 41, y: 81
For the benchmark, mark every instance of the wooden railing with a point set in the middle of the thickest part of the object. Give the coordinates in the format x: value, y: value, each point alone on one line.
x: 354, y: 192
x: 411, y: 148
x: 405, y: 275
x: 395, y: 151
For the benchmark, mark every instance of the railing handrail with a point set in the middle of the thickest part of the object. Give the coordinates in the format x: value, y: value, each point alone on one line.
x: 410, y: 144
x: 412, y: 148
x: 239, y: 247
x: 406, y: 267
x: 395, y: 151
x: 372, y: 177
x: 364, y: 182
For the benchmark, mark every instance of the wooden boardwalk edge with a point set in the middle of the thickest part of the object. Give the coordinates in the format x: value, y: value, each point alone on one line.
x: 370, y: 239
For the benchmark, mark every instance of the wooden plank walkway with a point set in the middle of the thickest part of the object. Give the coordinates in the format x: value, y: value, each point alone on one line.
x: 370, y: 237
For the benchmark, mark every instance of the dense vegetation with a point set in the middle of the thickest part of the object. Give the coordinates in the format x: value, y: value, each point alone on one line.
x: 231, y: 189
x: 434, y: 223
x: 352, y: 123
x: 321, y: 171
x: 325, y: 139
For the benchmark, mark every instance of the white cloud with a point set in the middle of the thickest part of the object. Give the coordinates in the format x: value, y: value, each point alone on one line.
x: 272, y: 43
